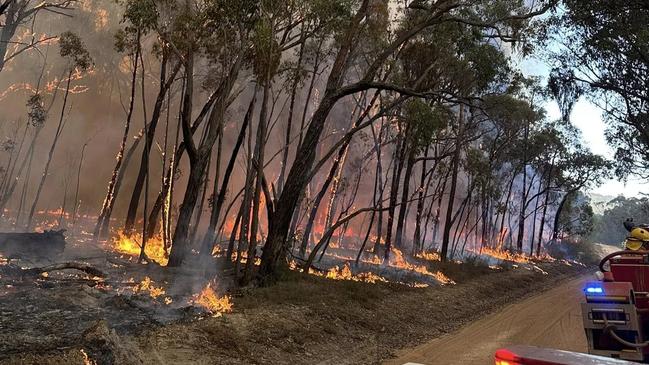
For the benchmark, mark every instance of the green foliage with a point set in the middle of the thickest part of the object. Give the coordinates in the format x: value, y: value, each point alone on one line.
x: 141, y: 14
x: 36, y: 111
x: 603, y: 54
x: 266, y: 51
x: 577, y: 217
x: 140, y: 17
x: 424, y: 122
x: 72, y: 48
x: 608, y: 226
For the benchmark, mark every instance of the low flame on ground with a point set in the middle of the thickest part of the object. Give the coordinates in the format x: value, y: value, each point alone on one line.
x: 345, y: 273
x: 397, y: 260
x: 86, y: 359
x: 146, y: 285
x: 502, y: 255
x: 130, y: 245
x: 428, y: 256
x: 210, y: 301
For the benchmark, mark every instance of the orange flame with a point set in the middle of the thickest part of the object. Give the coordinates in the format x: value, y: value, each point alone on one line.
x: 146, y: 285
x: 214, y: 304
x: 129, y: 245
x: 400, y: 262
x: 503, y: 255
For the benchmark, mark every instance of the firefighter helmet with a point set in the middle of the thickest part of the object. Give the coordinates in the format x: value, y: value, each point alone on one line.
x: 637, y: 238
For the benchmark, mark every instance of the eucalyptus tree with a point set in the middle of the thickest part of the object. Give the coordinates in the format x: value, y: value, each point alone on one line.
x: 169, y: 68
x: 221, y: 30
x: 602, y: 54
x: 71, y: 48
x: 508, y: 18
x: 140, y: 17
x: 17, y: 14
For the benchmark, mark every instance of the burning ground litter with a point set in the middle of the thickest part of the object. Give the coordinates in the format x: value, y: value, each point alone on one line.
x: 112, y: 316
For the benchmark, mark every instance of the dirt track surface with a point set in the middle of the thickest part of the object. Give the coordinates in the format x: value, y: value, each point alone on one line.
x: 551, y: 319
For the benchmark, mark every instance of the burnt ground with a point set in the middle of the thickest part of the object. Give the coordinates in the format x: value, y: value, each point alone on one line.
x: 302, y: 319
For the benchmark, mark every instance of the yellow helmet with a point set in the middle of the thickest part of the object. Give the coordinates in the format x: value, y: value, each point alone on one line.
x: 637, y: 238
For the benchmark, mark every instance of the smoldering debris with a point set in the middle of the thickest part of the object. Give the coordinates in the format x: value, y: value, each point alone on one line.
x: 95, y: 301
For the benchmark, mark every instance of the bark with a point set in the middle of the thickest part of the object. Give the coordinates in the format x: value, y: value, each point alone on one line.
x: 289, y: 122
x: 166, y: 192
x: 103, y: 221
x: 543, y: 215
x: 451, y: 198
x: 394, y: 192
x: 77, y: 203
x: 557, y: 216
x: 198, y: 157
x: 208, y: 239
x: 522, y: 215
x: 233, y: 236
x: 165, y: 85
x: 422, y: 190
x: 259, y: 162
x: 405, y: 195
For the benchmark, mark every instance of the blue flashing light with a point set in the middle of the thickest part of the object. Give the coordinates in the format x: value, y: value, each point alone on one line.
x: 594, y: 290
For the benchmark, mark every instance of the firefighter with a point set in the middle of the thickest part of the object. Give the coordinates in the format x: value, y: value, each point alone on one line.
x: 638, y: 239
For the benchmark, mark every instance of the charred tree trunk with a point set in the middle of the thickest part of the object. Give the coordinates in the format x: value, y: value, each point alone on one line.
x: 258, y: 159
x: 522, y: 215
x: 217, y: 204
x: 103, y: 222
x: 394, y: 192
x: 50, y: 155
x: 299, y: 174
x: 451, y: 198
x: 165, y: 84
x: 398, y: 240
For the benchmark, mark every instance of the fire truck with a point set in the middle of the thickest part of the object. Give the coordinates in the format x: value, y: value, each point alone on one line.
x: 615, y: 312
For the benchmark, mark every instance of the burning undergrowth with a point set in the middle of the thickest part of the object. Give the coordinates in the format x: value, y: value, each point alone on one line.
x: 338, y: 264
x: 131, y: 245
x: 53, y: 303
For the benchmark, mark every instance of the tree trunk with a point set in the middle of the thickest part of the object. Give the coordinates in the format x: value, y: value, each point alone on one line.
x: 165, y: 84
x: 398, y: 241
x: 394, y: 192
x: 298, y: 176
x: 59, y: 129
x: 217, y: 204
x: 258, y: 158
x: 103, y: 221
x: 451, y: 198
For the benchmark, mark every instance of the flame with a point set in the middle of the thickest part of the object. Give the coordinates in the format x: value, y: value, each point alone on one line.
x: 86, y: 359
x: 345, y: 273
x: 502, y: 255
x: 398, y: 261
x: 428, y: 256
x: 214, y: 304
x: 129, y: 245
x: 146, y: 285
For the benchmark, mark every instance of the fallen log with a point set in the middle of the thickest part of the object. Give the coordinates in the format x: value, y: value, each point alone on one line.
x: 17, y: 271
x: 32, y: 244
x: 91, y: 270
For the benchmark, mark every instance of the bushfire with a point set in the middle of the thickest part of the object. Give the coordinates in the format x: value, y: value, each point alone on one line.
x: 211, y: 302
x: 131, y: 245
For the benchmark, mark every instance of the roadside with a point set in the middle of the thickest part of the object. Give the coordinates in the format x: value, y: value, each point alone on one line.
x: 300, y: 320
x: 314, y: 321
x: 551, y: 319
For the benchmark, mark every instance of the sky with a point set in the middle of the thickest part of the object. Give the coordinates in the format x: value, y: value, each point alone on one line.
x: 588, y: 118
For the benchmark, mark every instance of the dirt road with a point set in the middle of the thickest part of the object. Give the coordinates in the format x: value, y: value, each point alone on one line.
x: 551, y: 319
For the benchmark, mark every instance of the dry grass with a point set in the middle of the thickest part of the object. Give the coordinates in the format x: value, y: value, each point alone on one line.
x: 304, y: 320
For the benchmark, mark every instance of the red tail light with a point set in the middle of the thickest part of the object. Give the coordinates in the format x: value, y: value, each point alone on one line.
x: 506, y: 357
